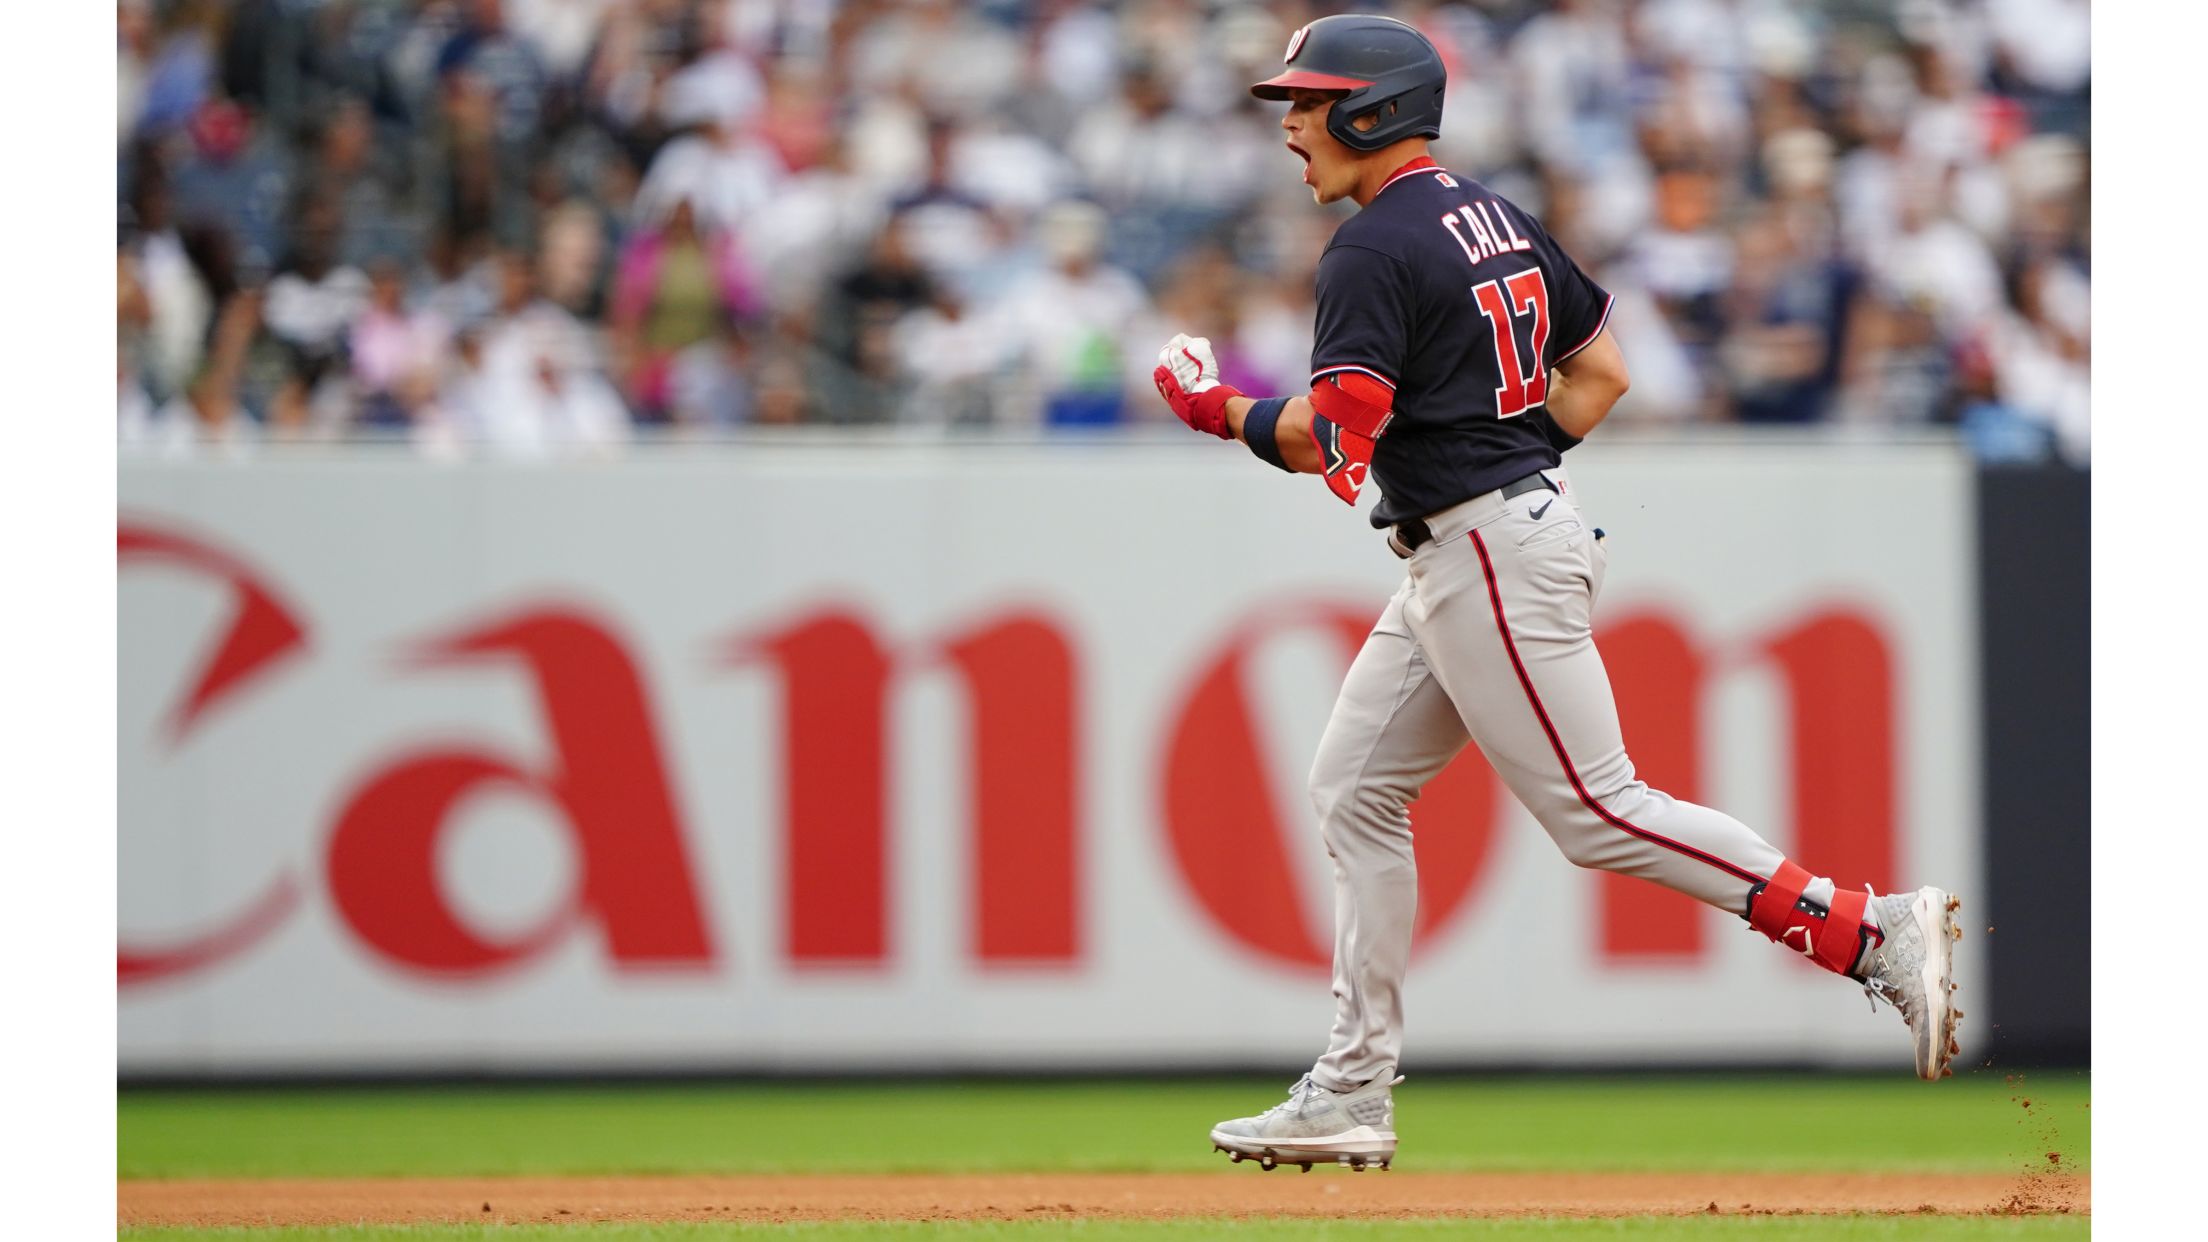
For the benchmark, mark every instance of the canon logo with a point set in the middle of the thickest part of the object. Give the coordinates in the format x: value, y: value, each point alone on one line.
x: 602, y: 775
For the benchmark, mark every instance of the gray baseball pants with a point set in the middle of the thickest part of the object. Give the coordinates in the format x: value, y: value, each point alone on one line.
x: 1490, y: 640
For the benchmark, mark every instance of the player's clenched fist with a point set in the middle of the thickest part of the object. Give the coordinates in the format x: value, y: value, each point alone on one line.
x: 1188, y: 379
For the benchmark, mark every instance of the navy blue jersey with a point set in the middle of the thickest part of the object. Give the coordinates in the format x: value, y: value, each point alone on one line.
x: 1459, y: 302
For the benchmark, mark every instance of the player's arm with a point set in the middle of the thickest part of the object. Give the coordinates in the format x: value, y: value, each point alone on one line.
x: 1583, y: 387
x: 1329, y: 432
x: 1586, y: 368
x: 1292, y: 438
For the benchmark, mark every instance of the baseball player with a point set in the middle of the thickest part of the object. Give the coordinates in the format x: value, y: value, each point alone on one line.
x: 1459, y: 352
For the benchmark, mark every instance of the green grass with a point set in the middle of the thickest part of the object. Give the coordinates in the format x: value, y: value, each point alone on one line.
x: 1972, y: 1123
x: 1630, y: 1229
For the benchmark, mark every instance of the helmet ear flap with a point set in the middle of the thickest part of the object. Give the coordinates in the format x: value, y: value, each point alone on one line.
x: 1371, y: 137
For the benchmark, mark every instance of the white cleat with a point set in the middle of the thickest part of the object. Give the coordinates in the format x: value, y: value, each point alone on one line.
x: 1913, y: 969
x: 1317, y: 1126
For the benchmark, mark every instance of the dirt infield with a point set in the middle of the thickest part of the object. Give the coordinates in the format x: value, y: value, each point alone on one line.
x: 1237, y: 1192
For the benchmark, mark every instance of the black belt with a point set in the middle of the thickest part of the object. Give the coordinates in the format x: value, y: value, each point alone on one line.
x: 1411, y: 535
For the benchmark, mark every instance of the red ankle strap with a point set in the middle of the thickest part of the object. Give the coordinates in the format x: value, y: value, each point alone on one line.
x: 1771, y: 906
x: 1833, y: 938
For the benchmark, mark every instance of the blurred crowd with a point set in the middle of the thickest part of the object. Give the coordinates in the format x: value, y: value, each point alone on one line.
x: 545, y: 226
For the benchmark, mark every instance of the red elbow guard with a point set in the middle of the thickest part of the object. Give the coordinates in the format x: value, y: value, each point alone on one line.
x: 1354, y: 402
x: 1351, y: 410
x: 1344, y: 457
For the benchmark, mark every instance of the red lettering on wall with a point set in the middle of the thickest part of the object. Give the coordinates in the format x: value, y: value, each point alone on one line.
x: 835, y: 837
x: 261, y: 634
x: 1840, y: 680
x: 1231, y: 840
x: 135, y: 964
x: 1234, y: 837
x: 605, y: 780
x: 1224, y: 826
x: 1019, y: 674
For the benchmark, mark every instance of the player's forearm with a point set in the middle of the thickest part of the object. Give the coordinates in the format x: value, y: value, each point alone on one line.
x: 1579, y: 407
x: 1583, y: 390
x: 1292, y: 433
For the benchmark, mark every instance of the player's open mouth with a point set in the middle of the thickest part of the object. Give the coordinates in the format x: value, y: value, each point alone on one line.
x: 1305, y: 156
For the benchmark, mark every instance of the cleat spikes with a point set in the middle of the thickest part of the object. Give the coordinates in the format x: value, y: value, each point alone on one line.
x: 1912, y: 969
x: 1310, y: 1128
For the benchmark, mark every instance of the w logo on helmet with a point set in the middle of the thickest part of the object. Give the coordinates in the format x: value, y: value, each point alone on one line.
x: 1295, y: 43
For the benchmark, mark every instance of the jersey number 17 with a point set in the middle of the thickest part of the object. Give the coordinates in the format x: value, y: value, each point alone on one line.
x: 1503, y: 300
x: 1525, y: 384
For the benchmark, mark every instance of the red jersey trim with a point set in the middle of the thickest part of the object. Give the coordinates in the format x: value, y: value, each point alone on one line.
x: 1318, y: 375
x: 1424, y: 163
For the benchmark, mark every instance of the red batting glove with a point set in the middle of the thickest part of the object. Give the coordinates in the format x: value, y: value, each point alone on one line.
x: 1188, y: 378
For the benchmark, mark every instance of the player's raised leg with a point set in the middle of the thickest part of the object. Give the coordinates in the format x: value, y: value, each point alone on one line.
x: 1502, y: 607
x: 1393, y: 729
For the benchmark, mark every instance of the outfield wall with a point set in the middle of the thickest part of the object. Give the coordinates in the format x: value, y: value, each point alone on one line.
x: 936, y: 757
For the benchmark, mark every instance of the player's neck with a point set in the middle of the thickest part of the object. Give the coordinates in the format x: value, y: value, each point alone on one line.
x: 1377, y: 168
